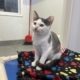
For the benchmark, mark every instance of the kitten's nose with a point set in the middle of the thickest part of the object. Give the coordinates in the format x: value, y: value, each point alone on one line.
x: 36, y: 29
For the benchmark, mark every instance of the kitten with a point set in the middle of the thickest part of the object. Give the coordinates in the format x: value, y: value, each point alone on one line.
x: 45, y: 42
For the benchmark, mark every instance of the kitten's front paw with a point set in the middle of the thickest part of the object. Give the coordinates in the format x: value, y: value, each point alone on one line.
x: 47, y: 62
x: 34, y: 64
x: 38, y: 68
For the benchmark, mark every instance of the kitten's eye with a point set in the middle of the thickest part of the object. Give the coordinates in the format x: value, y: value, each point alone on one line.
x: 34, y: 23
x: 41, y: 25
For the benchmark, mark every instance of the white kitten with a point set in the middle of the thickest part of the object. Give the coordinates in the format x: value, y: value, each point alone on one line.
x: 45, y: 42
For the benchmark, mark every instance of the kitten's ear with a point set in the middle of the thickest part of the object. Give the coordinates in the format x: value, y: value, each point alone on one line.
x: 35, y: 15
x: 50, y: 19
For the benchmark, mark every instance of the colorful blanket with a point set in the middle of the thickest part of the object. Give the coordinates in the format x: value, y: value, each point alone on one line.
x: 67, y: 68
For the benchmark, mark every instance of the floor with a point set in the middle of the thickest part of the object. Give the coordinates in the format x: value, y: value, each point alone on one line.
x: 8, y: 50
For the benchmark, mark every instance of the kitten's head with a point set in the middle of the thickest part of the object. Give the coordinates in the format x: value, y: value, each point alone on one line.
x: 41, y: 25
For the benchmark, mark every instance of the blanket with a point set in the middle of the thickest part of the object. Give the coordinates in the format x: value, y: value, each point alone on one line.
x: 66, y: 68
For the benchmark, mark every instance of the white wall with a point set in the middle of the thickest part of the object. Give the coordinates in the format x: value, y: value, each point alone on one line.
x: 56, y: 8
x: 74, y: 27
x: 15, y: 27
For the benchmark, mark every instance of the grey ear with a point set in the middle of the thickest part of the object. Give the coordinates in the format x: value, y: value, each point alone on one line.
x: 35, y: 15
x: 50, y: 19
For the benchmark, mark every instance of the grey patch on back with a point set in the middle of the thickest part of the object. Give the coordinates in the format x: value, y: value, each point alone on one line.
x: 55, y: 42
x: 49, y: 40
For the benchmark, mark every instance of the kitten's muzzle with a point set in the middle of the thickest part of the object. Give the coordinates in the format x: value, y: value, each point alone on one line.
x: 36, y: 29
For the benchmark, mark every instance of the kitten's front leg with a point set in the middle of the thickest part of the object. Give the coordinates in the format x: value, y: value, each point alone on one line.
x: 42, y: 60
x: 35, y: 59
x: 44, y: 57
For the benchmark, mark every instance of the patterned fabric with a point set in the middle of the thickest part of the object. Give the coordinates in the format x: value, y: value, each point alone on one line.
x: 67, y: 68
